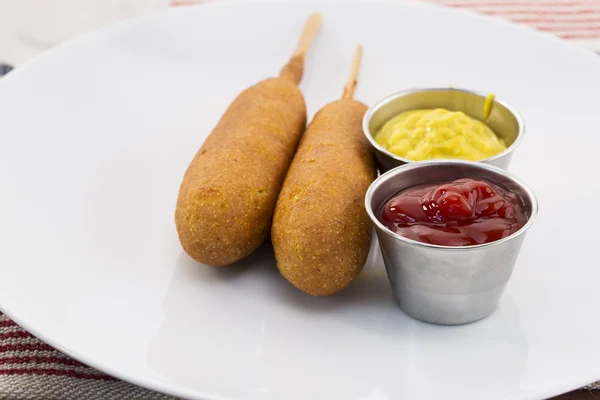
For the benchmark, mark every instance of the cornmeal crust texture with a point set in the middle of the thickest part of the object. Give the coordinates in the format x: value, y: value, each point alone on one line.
x: 321, y: 232
x: 228, y: 194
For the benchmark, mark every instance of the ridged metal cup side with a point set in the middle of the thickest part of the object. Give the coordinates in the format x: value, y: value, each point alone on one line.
x: 503, y: 120
x: 447, y: 285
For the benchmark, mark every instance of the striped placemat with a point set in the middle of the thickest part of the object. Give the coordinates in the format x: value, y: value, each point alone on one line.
x: 574, y: 20
x: 31, y: 369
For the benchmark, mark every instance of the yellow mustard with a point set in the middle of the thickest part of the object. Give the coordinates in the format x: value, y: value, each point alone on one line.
x: 432, y: 134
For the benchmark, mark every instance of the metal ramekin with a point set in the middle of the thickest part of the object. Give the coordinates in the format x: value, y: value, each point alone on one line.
x: 503, y: 120
x: 447, y: 285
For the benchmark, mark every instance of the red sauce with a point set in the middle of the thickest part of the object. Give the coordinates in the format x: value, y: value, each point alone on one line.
x: 460, y: 213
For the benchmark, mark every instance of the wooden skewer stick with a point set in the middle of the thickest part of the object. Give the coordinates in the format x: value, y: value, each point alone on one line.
x: 310, y: 30
x: 352, y: 79
x: 294, y: 69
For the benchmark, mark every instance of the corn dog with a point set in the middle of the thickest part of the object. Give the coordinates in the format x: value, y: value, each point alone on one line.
x: 321, y: 232
x: 228, y: 194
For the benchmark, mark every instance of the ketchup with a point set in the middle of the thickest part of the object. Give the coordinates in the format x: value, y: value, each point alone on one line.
x: 460, y: 213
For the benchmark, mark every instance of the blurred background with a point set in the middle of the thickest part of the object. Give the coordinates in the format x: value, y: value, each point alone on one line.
x: 28, y: 27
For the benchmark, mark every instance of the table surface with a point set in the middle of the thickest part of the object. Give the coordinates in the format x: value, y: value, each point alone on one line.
x: 580, y: 395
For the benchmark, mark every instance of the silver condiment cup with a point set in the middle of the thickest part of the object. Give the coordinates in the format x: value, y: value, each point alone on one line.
x: 503, y: 120
x: 447, y: 285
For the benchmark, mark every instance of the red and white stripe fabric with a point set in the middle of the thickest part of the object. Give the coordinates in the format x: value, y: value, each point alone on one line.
x: 573, y: 20
x: 31, y: 369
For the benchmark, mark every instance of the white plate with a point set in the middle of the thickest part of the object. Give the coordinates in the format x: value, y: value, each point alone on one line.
x: 96, y: 134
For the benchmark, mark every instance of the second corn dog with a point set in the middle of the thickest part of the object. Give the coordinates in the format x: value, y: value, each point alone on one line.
x: 321, y: 233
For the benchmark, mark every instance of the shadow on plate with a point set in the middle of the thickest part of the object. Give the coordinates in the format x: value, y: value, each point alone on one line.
x: 370, y: 289
x: 247, y: 323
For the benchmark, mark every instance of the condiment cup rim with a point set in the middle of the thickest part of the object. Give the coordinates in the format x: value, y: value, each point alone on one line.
x: 373, y: 109
x: 421, y: 164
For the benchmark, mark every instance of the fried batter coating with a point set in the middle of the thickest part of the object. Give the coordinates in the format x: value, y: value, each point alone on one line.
x: 229, y: 191
x: 321, y: 232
